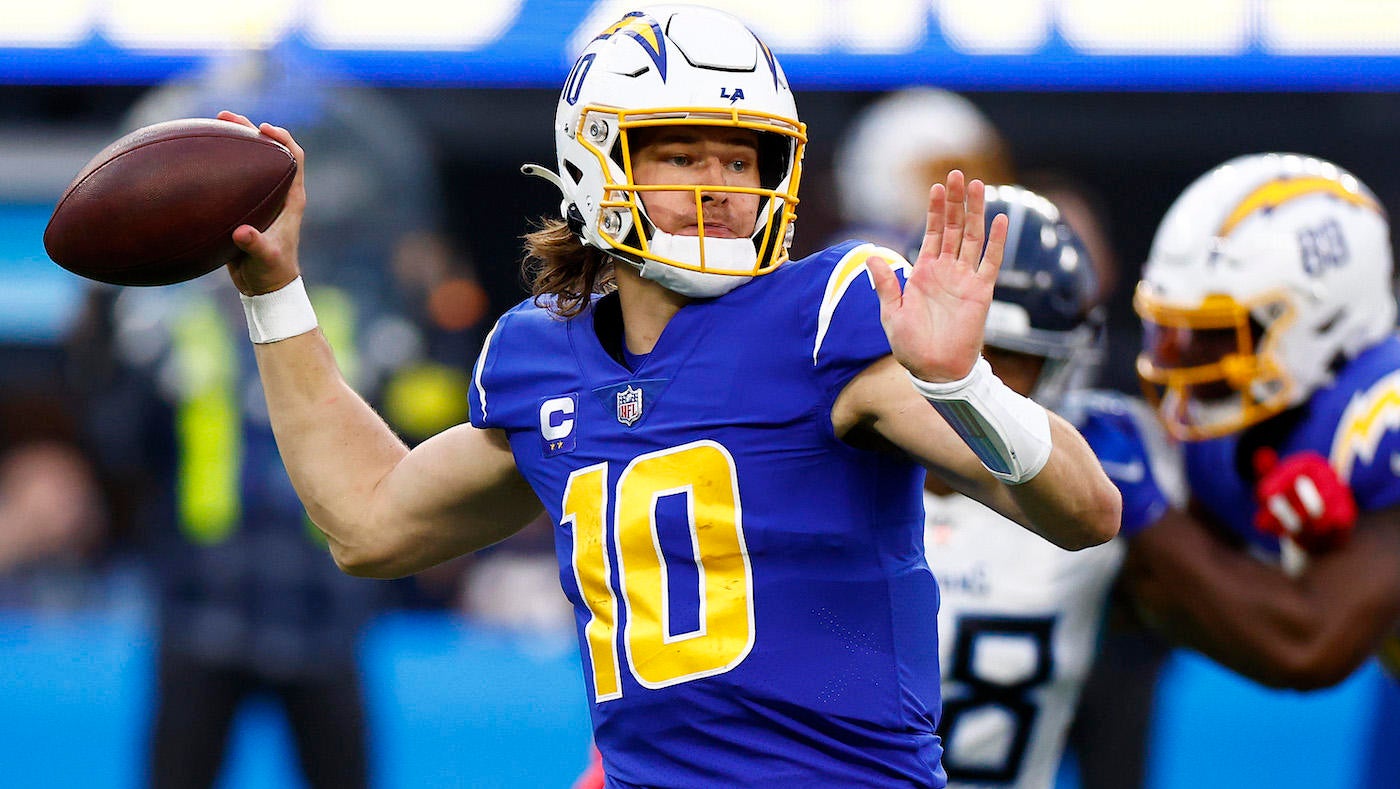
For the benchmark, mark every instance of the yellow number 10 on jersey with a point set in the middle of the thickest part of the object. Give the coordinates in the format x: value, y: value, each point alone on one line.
x: 703, y: 472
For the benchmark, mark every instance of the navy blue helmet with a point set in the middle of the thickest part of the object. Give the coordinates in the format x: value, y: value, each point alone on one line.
x: 1043, y: 301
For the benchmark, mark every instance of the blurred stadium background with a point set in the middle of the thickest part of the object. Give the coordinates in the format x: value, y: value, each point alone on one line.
x: 1133, y: 99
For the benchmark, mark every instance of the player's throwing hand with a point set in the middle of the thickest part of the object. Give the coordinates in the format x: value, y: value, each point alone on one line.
x: 935, y: 323
x: 270, y: 256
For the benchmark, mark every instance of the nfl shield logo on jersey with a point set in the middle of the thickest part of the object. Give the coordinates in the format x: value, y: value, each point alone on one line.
x: 634, y: 400
x: 629, y: 406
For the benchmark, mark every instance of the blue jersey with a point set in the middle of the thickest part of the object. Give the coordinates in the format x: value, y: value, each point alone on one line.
x: 1354, y: 423
x: 751, y: 593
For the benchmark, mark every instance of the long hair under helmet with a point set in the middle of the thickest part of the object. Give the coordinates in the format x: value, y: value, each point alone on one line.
x: 675, y: 65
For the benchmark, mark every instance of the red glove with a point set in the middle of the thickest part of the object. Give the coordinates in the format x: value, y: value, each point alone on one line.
x: 1303, y: 499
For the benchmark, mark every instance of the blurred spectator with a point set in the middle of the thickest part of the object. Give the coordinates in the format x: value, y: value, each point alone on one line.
x: 53, y: 517
x: 49, y: 508
x: 250, y: 601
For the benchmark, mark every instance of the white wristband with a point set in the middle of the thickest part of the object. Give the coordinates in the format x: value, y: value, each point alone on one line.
x: 1009, y: 433
x: 282, y: 314
x: 285, y: 312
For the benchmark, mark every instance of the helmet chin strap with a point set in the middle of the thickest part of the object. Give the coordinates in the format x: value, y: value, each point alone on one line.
x: 727, y: 255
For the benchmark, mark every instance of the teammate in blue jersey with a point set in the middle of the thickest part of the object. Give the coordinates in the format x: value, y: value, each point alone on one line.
x: 1271, y: 351
x: 732, y: 445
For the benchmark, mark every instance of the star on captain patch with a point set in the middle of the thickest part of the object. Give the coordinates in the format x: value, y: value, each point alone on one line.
x: 629, y: 406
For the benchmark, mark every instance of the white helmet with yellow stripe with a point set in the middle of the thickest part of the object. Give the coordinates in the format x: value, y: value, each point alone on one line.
x: 676, y: 65
x: 1266, y: 275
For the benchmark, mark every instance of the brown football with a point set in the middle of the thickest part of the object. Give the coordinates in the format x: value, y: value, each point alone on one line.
x: 160, y: 205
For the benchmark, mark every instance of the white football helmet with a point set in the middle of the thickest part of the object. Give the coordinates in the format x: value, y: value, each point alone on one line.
x: 675, y: 65
x: 1266, y: 274
x: 905, y: 142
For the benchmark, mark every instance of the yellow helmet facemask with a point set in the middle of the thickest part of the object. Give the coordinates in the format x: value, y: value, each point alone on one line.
x: 622, y: 222
x: 1209, y: 370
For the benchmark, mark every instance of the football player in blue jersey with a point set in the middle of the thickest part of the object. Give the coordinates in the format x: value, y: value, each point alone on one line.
x: 1270, y: 349
x: 1019, y: 618
x: 732, y: 446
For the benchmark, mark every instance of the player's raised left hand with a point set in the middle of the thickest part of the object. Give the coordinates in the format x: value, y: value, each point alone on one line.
x: 935, y: 323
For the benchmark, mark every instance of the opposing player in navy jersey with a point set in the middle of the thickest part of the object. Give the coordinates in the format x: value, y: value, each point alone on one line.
x: 732, y: 445
x: 1270, y: 348
x: 1019, y: 619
